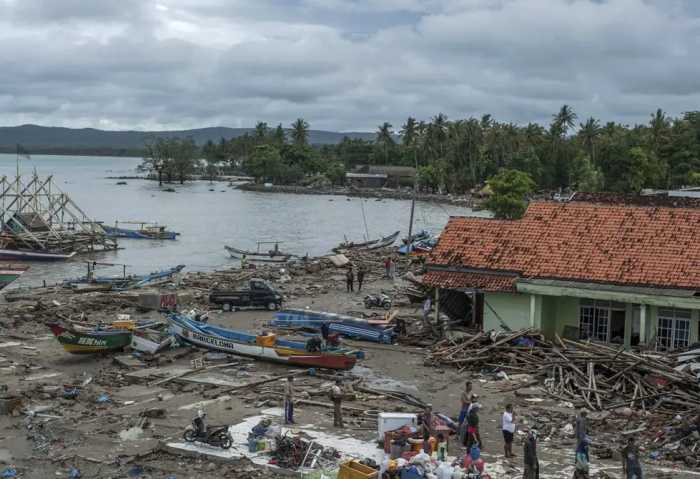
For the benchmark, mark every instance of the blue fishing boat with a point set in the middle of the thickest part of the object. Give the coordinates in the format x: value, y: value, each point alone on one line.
x: 379, y: 331
x: 145, y: 230
x: 266, y: 347
x: 90, y: 282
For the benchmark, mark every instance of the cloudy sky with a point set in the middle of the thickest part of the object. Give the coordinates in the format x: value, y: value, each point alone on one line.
x: 342, y: 64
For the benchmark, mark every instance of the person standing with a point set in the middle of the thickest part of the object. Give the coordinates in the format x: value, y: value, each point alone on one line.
x: 289, y: 401
x: 532, y: 465
x: 360, y: 277
x: 244, y: 262
x: 350, y: 279
x: 465, y: 400
x: 387, y: 268
x: 427, y: 420
x: 581, y: 427
x: 474, y: 436
x: 631, y: 467
x: 508, y: 427
x: 392, y: 268
x: 337, y: 398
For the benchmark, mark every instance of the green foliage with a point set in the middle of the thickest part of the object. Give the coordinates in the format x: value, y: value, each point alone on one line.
x: 335, y: 172
x: 265, y: 163
x: 510, y: 189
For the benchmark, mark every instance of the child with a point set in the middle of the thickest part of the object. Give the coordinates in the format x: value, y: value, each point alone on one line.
x: 441, y: 448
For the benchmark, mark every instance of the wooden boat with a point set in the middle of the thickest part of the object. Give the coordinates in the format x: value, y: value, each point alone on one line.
x: 32, y: 255
x: 267, y: 348
x: 348, y: 326
x: 369, y: 245
x: 10, y: 272
x: 274, y: 256
x: 91, y: 283
x: 90, y: 341
x: 145, y: 230
x: 419, y: 236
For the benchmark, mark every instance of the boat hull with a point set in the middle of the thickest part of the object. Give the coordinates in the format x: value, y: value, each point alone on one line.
x: 9, y: 273
x: 22, y: 255
x: 347, y: 326
x: 92, y: 342
x: 242, y: 344
x: 258, y: 257
x: 115, y: 232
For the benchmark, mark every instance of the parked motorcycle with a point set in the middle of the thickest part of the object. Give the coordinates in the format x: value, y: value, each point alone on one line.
x: 377, y: 301
x: 216, y: 436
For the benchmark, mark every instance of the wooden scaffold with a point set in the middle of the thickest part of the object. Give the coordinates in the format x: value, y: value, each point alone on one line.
x: 39, y: 216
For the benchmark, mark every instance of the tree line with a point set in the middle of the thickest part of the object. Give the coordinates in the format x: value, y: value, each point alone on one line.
x: 456, y: 156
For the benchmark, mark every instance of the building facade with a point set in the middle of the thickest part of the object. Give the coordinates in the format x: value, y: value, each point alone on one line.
x: 623, y: 275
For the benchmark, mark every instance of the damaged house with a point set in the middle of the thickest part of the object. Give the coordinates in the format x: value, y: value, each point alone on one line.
x: 614, y: 273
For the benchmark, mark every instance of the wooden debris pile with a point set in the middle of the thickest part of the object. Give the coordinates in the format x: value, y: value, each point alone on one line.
x: 596, y: 376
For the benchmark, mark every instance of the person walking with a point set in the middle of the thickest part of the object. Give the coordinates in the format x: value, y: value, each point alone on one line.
x: 532, y: 465
x: 582, y: 464
x: 360, y: 277
x: 350, y: 279
x: 465, y: 400
x: 289, y: 401
x: 508, y: 427
x: 337, y: 398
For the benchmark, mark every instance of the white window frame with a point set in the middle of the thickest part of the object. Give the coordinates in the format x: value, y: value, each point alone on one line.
x: 595, y: 317
x: 673, y: 328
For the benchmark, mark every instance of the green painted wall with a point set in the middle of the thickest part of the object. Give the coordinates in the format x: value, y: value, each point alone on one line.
x: 513, y: 308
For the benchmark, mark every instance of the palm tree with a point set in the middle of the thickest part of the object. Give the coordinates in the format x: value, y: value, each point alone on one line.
x: 409, y: 131
x: 565, y: 119
x: 589, y: 133
x: 659, y: 125
x: 385, y: 137
x: 300, y: 132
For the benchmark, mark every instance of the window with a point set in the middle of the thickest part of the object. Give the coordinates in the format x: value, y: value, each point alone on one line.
x: 595, y: 318
x: 673, y: 331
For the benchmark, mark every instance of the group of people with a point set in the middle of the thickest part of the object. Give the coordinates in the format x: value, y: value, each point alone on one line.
x: 470, y: 436
x: 336, y: 396
x: 350, y: 277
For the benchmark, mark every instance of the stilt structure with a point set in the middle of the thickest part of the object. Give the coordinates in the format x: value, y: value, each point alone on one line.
x: 38, y: 216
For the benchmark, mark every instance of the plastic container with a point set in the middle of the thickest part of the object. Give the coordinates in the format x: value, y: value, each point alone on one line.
x: 355, y: 470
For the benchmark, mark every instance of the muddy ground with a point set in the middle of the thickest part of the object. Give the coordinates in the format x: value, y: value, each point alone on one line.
x: 118, y: 424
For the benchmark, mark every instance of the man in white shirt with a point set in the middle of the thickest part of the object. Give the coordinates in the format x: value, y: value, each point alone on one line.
x: 508, y: 427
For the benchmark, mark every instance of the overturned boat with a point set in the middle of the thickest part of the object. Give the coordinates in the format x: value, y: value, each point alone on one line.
x: 264, y: 347
x: 378, y: 331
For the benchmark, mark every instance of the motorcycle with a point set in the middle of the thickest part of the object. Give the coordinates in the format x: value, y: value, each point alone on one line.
x: 216, y: 436
x: 377, y: 301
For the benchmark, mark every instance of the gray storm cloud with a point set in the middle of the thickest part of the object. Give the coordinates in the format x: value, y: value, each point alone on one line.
x: 346, y: 65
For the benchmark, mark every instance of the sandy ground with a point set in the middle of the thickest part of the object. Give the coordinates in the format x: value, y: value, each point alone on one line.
x: 113, y: 439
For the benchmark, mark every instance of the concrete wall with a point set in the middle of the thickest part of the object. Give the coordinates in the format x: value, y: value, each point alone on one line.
x: 513, y: 308
x: 558, y: 312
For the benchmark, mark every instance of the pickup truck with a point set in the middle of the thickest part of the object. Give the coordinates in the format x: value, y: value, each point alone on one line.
x: 258, y: 295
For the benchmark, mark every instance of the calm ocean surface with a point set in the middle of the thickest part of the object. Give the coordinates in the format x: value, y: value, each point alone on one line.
x: 207, y: 220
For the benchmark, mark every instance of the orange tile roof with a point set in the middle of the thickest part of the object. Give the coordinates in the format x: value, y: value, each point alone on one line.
x: 625, y: 245
x: 481, y: 281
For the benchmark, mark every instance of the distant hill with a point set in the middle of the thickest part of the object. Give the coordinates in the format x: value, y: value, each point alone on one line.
x: 49, y: 139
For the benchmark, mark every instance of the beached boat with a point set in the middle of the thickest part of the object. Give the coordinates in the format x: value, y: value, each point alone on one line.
x: 33, y: 255
x: 419, y: 236
x: 369, y: 245
x: 90, y: 341
x: 378, y: 331
x: 269, y: 257
x: 145, y: 230
x: 419, y: 248
x: 267, y: 348
x: 90, y: 282
x: 10, y: 272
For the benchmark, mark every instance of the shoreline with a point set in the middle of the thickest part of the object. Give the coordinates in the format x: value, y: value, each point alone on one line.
x: 379, y: 193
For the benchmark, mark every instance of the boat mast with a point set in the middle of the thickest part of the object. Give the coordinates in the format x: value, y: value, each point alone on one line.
x: 413, y: 203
